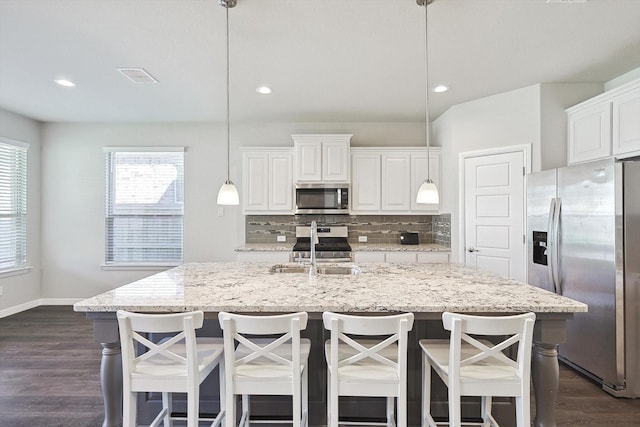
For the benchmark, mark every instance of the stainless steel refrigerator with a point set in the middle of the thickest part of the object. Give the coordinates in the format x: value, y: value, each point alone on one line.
x: 583, y: 228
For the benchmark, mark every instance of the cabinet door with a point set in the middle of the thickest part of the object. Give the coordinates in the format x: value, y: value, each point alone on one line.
x: 396, y: 178
x: 365, y: 182
x: 368, y: 257
x: 626, y: 122
x: 590, y: 133
x: 308, y: 161
x: 335, y: 161
x: 433, y: 257
x: 401, y: 257
x: 419, y: 175
x: 280, y: 182
x: 255, y: 181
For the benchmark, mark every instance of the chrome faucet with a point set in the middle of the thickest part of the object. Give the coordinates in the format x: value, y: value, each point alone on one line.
x: 313, y: 239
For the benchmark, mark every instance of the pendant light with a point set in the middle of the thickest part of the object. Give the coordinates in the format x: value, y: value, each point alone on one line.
x: 428, y: 192
x: 228, y: 194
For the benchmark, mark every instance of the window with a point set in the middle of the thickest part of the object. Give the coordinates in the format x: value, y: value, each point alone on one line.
x: 145, y: 205
x: 13, y: 204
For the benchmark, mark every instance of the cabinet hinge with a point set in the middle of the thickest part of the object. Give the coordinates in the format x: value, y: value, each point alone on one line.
x: 524, y: 171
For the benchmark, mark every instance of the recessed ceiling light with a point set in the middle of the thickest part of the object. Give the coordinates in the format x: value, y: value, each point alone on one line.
x: 440, y: 88
x: 264, y: 90
x: 65, y: 82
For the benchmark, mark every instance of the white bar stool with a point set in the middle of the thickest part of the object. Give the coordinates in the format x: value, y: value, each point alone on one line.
x: 178, y: 364
x: 367, y: 367
x: 477, y: 367
x: 267, y: 366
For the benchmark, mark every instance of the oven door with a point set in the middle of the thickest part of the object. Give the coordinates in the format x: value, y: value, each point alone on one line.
x: 337, y: 256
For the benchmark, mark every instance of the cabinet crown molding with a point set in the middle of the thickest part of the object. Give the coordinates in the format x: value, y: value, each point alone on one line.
x: 322, y: 137
x: 605, y: 96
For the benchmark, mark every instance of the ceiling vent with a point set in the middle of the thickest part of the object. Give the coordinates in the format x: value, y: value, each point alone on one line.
x: 137, y: 75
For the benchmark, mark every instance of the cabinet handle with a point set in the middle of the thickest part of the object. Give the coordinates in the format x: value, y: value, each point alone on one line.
x: 472, y: 249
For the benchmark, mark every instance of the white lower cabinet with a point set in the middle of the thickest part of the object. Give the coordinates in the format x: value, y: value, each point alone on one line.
x: 433, y: 257
x: 264, y: 256
x: 368, y: 257
x: 402, y: 257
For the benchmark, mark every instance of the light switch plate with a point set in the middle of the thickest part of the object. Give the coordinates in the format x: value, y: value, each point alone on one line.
x: 220, y: 211
x: 362, y: 239
x: 282, y: 238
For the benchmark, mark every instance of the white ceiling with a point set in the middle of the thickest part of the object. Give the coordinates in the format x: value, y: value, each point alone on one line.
x: 326, y: 60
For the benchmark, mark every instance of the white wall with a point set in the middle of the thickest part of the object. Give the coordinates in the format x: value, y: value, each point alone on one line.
x: 510, y: 118
x: 73, y: 190
x: 555, y: 98
x: 25, y: 288
x: 532, y: 115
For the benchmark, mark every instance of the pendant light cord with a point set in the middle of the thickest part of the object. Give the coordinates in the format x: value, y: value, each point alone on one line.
x: 426, y: 78
x: 228, y: 127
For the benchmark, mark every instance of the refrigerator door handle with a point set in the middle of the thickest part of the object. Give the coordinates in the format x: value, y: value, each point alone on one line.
x: 556, y: 246
x: 551, y: 248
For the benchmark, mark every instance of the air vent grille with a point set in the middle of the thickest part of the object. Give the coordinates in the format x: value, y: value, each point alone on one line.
x: 137, y: 75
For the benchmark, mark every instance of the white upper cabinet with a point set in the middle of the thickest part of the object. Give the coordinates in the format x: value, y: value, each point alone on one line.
x: 606, y: 125
x: 322, y: 158
x: 386, y: 180
x: 396, y: 174
x: 626, y: 122
x: 590, y: 133
x: 365, y: 181
x: 267, y: 181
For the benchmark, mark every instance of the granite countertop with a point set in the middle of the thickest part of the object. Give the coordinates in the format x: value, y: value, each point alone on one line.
x: 251, y: 287
x: 265, y: 247
x: 355, y: 247
x: 396, y: 247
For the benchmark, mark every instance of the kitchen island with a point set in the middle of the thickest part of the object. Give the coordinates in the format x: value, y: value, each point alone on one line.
x: 427, y: 290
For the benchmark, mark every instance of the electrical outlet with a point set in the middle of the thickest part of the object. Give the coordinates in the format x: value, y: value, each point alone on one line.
x: 220, y: 211
x: 362, y: 239
x: 282, y: 238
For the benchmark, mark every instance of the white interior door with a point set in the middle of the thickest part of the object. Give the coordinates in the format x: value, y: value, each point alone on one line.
x: 494, y: 213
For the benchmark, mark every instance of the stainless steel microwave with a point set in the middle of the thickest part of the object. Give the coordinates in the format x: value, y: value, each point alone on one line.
x: 322, y: 198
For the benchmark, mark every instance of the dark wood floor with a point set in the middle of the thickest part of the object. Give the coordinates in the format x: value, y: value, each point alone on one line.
x: 49, y: 376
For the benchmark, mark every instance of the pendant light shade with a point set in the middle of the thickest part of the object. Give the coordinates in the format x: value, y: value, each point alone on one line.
x: 428, y: 192
x: 228, y: 194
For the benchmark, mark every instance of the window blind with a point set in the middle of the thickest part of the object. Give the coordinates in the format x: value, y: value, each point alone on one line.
x: 13, y: 204
x: 144, y: 206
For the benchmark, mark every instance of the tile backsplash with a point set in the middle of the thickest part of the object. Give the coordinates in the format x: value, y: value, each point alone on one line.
x: 377, y: 228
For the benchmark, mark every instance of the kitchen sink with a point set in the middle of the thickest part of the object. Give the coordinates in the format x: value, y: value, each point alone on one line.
x: 338, y: 270
x: 304, y: 269
x: 289, y: 269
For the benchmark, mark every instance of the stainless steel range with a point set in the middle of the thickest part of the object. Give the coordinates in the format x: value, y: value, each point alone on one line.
x: 331, y: 246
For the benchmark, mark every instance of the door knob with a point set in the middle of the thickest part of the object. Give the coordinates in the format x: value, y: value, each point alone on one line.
x: 472, y: 249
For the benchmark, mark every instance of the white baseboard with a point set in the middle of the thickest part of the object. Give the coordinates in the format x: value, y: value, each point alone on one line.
x: 37, y: 303
x: 59, y: 301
